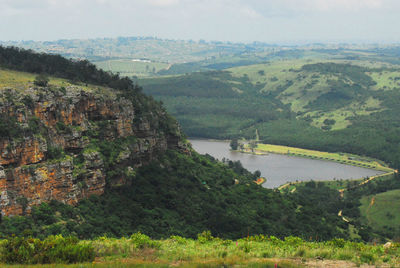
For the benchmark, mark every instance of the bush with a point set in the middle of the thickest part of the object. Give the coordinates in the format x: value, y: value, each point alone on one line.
x: 204, y: 237
x: 179, y: 239
x: 54, y: 249
x: 41, y: 80
x: 293, y: 241
x: 367, y: 257
x: 55, y: 152
x: 337, y: 242
x: 143, y: 241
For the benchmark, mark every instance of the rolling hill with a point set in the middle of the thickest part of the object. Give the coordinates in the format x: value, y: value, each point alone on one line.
x: 348, y: 106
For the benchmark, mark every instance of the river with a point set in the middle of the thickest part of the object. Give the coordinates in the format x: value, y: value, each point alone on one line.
x: 280, y: 169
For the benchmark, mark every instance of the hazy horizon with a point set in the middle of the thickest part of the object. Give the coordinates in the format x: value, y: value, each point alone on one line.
x: 270, y: 21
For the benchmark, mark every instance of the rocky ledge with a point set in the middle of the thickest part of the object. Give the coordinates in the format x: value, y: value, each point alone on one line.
x: 67, y: 143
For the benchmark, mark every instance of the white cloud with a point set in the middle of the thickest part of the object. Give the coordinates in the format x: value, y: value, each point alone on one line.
x: 163, y: 3
x: 199, y: 19
x: 347, y: 5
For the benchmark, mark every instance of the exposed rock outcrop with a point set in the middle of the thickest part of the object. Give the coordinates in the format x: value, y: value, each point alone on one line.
x: 67, y: 143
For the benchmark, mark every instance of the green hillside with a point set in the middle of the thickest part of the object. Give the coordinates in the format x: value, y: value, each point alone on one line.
x: 381, y: 212
x: 325, y: 105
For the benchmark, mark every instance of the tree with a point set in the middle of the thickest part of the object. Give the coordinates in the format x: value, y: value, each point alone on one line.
x: 234, y: 144
x: 252, y: 145
x: 41, y: 80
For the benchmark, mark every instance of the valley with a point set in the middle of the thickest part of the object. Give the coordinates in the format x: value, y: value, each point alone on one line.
x: 133, y: 152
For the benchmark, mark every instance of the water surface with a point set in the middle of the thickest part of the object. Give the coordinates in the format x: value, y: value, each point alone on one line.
x: 280, y: 169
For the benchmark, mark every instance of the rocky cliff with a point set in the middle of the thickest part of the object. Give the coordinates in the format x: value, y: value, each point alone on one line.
x: 67, y: 142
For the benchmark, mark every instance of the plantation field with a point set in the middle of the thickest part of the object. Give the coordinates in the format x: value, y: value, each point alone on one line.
x: 381, y: 211
x: 132, y: 67
x: 207, y: 251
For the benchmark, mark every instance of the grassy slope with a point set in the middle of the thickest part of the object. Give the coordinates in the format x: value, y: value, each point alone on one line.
x: 307, y: 86
x: 381, y: 211
x: 291, y: 86
x: 22, y: 81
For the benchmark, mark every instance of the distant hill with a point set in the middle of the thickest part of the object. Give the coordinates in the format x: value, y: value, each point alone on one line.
x: 339, y: 105
x: 151, y: 56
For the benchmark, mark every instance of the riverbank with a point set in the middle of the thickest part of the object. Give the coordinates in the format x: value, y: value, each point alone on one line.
x: 340, y: 185
x: 343, y: 158
x: 260, y: 181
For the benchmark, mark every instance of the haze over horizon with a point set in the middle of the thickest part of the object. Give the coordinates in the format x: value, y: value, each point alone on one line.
x: 272, y: 21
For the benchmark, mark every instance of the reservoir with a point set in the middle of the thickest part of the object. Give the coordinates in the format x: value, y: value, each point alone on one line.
x: 280, y: 169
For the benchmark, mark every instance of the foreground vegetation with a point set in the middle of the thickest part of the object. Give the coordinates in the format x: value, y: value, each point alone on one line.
x: 204, y: 251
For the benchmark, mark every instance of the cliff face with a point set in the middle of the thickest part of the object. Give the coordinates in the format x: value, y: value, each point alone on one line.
x: 67, y: 143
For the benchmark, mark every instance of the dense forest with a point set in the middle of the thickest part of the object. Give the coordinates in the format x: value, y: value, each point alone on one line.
x: 164, y: 192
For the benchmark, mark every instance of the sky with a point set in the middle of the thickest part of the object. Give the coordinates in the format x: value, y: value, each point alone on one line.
x: 271, y: 21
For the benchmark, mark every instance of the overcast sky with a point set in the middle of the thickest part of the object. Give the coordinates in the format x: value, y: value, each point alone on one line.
x: 273, y: 21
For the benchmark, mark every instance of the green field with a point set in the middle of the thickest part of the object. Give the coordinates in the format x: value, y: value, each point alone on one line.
x: 381, y: 211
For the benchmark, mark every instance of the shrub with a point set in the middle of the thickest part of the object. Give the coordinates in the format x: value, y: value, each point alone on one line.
x: 62, y: 128
x: 55, y: 152
x: 41, y: 80
x: 54, y: 249
x: 143, y: 241
x: 34, y: 125
x: 337, y: 242
x: 9, y: 127
x: 367, y: 257
x: 293, y: 241
x: 179, y: 239
x: 204, y: 237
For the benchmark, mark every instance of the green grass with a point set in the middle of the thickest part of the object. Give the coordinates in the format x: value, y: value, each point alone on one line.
x: 306, y: 87
x: 257, y: 251
x: 22, y: 81
x: 344, y: 158
x: 381, y: 211
x: 386, y: 80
